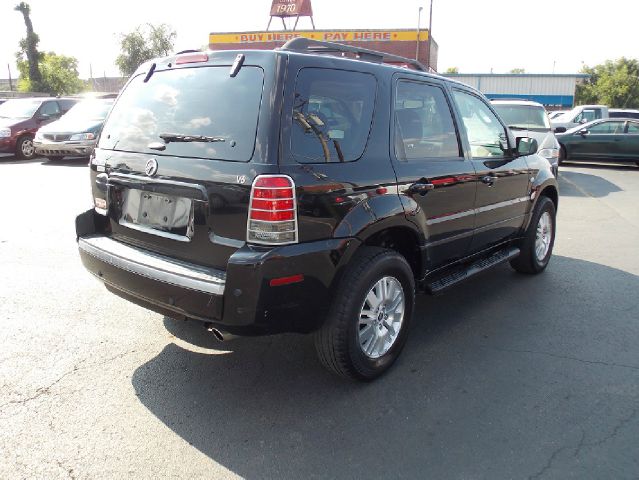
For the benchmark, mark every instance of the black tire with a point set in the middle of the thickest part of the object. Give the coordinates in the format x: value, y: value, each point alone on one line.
x: 562, y: 155
x: 637, y: 163
x: 528, y: 261
x: 24, y: 148
x: 337, y: 341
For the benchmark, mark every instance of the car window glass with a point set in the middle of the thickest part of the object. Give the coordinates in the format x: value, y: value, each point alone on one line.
x: 633, y: 128
x: 523, y: 116
x: 332, y: 115
x: 486, y: 134
x: 203, y: 102
x: 50, y: 108
x: 607, y: 127
x: 423, y: 123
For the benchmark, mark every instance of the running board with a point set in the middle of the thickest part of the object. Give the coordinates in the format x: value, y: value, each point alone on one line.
x: 471, y: 269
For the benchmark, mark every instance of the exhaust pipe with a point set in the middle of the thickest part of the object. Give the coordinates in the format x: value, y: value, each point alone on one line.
x: 219, y: 334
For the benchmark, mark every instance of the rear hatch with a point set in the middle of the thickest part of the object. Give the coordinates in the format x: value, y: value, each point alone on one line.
x: 180, y: 149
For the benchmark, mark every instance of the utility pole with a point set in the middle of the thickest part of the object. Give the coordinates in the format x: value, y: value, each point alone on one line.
x: 419, y: 17
x: 430, y: 33
x: 10, y: 81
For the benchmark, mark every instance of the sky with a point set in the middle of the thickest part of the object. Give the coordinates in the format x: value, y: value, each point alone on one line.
x: 476, y: 36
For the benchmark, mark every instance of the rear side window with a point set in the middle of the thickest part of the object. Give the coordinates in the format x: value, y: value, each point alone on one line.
x: 332, y: 115
x: 197, y: 112
x: 423, y: 123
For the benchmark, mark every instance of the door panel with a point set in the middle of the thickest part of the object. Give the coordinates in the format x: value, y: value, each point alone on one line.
x: 502, y: 180
x: 603, y: 140
x: 629, y: 147
x: 436, y: 183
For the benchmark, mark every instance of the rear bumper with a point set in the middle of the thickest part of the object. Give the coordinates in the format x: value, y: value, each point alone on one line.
x: 64, y: 148
x: 239, y: 300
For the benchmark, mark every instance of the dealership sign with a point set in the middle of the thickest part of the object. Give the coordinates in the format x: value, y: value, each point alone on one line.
x: 291, y: 8
x: 323, y: 35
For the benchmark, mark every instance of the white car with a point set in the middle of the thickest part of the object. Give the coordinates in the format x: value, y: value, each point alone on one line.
x: 529, y: 119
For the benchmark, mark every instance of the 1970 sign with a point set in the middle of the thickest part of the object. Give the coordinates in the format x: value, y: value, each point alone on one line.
x: 291, y: 8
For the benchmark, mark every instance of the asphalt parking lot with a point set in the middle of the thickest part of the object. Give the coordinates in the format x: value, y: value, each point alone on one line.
x: 505, y: 376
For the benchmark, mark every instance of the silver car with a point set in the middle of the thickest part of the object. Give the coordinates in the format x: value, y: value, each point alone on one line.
x: 75, y: 133
x: 529, y: 119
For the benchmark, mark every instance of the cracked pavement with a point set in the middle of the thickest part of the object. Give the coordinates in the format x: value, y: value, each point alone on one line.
x: 505, y: 376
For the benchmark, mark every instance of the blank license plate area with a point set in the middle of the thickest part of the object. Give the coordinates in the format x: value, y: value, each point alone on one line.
x: 159, y: 213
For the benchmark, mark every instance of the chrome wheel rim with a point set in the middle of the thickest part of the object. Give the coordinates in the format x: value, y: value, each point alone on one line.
x: 27, y: 148
x: 543, y: 236
x: 381, y: 317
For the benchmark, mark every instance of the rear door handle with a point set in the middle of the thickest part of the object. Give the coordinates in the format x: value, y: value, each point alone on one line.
x: 421, y: 188
x: 488, y: 179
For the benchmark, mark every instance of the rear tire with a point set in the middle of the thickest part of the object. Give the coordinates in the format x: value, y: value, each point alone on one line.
x: 24, y: 148
x: 367, y: 324
x: 537, y: 245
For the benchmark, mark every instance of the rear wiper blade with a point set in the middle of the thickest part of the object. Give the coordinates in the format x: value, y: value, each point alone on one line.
x: 177, y: 137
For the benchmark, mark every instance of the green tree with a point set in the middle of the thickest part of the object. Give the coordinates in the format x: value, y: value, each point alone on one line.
x: 142, y: 44
x: 452, y: 70
x: 59, y: 75
x: 613, y: 83
x: 518, y: 70
x: 29, y: 47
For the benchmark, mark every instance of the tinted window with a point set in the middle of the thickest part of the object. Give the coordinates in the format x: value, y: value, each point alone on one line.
x: 332, y: 114
x: 50, y: 108
x: 201, y: 101
x: 607, y: 127
x: 486, y: 134
x: 523, y: 116
x: 66, y: 104
x: 423, y: 123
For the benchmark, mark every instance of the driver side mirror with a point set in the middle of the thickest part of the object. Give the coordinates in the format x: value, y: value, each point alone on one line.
x: 43, y: 117
x: 583, y: 132
x: 526, y: 146
x: 560, y: 129
x: 583, y: 120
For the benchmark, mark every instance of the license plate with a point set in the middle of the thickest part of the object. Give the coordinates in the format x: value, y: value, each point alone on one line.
x: 164, y: 215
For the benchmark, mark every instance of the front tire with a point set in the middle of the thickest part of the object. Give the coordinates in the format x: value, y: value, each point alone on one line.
x: 24, y: 148
x: 367, y: 324
x: 537, y: 245
x: 562, y: 155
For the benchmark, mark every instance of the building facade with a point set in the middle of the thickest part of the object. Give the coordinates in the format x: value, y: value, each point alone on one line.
x: 555, y: 91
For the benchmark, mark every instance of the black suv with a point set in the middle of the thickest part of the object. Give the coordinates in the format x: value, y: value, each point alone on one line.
x: 299, y: 191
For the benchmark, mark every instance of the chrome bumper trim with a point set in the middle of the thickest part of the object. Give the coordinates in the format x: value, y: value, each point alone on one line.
x: 154, y: 266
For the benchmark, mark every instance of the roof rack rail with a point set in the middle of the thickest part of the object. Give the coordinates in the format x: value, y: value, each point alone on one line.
x: 302, y: 44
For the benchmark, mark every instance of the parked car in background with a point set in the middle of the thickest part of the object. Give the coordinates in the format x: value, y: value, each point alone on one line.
x: 579, y: 115
x: 608, y: 140
x: 20, y: 118
x: 529, y: 119
x: 623, y: 113
x: 75, y: 133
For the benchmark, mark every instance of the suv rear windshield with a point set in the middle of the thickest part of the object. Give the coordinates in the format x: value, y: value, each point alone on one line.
x: 529, y: 117
x: 176, y: 105
x: 332, y: 115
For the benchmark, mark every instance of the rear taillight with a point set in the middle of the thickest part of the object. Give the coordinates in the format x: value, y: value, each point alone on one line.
x: 272, y: 218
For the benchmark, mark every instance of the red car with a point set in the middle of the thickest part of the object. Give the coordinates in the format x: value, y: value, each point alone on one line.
x: 20, y: 118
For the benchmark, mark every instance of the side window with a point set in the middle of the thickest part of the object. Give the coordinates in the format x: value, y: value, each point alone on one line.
x: 633, y: 128
x: 50, y: 108
x: 588, y: 116
x: 607, y: 128
x: 486, y: 135
x: 332, y: 115
x: 423, y: 123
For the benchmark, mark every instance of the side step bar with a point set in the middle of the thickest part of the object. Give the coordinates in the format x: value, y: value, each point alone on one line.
x: 471, y: 269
